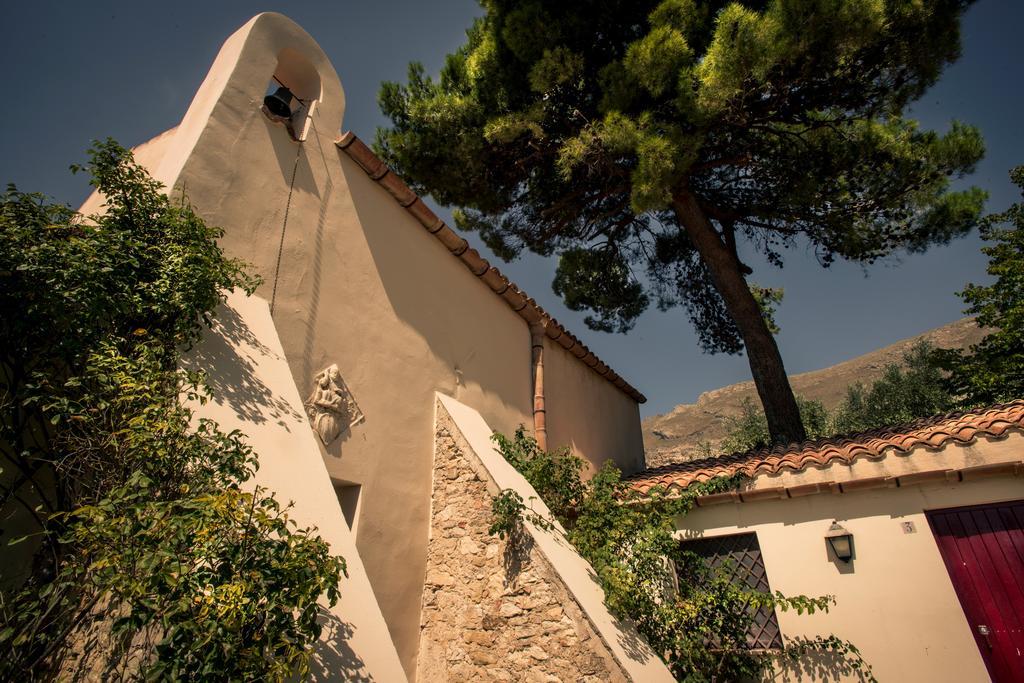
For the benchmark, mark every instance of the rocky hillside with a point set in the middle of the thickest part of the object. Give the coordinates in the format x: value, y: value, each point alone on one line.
x: 675, y: 436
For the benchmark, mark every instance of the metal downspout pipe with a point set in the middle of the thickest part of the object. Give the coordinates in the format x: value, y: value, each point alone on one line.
x: 540, y: 428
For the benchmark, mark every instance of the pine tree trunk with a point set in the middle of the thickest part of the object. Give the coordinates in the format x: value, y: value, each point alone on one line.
x: 766, y: 366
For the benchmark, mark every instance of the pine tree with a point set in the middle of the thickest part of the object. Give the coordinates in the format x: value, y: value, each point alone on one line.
x: 641, y: 142
x: 993, y: 369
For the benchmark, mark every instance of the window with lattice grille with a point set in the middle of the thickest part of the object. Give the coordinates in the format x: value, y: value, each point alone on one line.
x: 740, y: 556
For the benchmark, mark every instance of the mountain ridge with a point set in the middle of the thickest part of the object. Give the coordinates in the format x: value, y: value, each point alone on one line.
x: 677, y: 435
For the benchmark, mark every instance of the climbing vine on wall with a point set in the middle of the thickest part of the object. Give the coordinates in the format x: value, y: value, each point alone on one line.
x: 131, y: 546
x: 695, y: 616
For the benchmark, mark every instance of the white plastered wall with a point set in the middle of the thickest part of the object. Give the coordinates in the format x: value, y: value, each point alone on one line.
x: 588, y: 413
x: 894, y: 600
x: 254, y: 393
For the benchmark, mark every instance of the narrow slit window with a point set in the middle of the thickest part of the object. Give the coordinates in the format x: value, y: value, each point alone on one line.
x: 348, y: 496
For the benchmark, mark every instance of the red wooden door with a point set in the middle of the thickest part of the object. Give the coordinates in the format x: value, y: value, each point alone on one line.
x: 983, y: 547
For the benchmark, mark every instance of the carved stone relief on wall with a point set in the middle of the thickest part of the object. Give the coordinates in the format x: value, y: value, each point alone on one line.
x: 331, y: 407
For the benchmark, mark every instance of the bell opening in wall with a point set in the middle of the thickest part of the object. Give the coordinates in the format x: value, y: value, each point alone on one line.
x: 292, y: 94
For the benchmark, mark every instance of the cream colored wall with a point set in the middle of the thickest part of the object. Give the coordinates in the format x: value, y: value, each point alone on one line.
x: 406, y: 320
x: 254, y: 393
x: 358, y: 283
x: 150, y: 153
x: 147, y: 155
x: 894, y: 600
x: 588, y: 413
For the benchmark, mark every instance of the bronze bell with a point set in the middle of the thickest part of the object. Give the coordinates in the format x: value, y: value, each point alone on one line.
x: 280, y: 103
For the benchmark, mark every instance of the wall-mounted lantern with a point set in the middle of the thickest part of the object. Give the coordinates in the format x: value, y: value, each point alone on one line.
x: 841, y: 542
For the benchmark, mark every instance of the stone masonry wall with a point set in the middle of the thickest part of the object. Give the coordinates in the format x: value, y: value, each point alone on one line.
x: 494, y: 610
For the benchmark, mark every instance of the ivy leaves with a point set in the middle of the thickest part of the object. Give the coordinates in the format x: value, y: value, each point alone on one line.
x: 508, y: 513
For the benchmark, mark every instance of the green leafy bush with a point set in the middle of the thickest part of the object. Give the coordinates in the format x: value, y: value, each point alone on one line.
x: 915, y: 388
x: 905, y: 392
x: 145, y: 556
x: 508, y: 512
x: 749, y: 430
x: 555, y: 476
x: 693, y: 616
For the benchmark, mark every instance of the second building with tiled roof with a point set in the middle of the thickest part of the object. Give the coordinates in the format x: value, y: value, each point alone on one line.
x: 917, y: 531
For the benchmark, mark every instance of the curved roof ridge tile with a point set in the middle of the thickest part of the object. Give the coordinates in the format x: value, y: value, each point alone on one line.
x: 932, y: 433
x: 516, y: 298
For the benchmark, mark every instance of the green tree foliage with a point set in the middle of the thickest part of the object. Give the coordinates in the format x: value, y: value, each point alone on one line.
x: 149, y: 557
x: 912, y: 389
x: 749, y: 429
x: 555, y: 475
x: 993, y: 369
x: 905, y: 392
x: 693, y: 616
x: 646, y: 142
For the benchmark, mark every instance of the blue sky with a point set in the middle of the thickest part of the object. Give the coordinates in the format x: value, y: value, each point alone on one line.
x: 79, y: 71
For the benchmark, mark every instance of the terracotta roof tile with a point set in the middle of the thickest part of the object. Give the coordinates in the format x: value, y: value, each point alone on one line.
x: 397, y: 189
x: 516, y: 298
x: 932, y: 433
